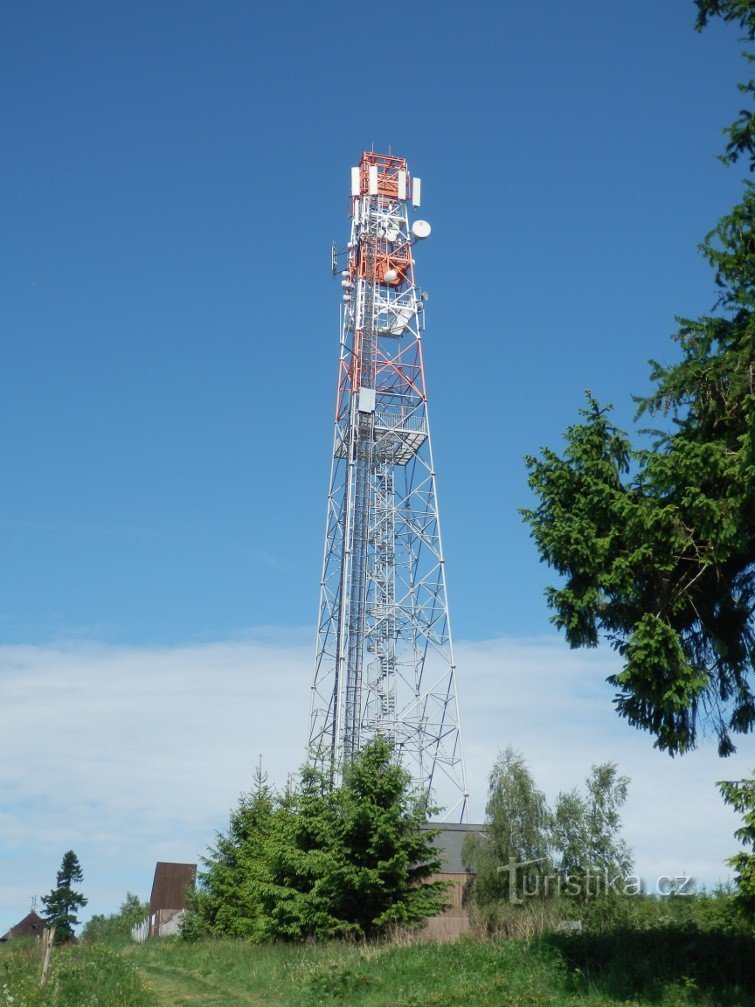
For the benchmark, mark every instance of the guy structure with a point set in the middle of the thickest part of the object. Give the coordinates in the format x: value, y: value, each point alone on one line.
x: 384, y: 657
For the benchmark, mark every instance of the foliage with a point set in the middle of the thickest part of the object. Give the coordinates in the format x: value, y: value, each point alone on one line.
x: 384, y: 853
x: 117, y: 926
x: 228, y: 897
x: 63, y: 902
x: 741, y: 133
x: 586, y: 835
x: 701, y: 911
x: 656, y: 546
x: 510, y: 858
x: 671, y: 964
x: 83, y: 975
x: 321, y: 862
x: 466, y: 974
x: 528, y: 853
x: 300, y: 897
x: 741, y: 796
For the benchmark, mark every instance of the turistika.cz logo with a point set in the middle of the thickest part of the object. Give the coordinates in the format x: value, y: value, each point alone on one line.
x: 526, y: 883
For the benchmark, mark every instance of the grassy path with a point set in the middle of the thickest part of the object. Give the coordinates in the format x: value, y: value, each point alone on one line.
x: 665, y: 967
x: 175, y: 987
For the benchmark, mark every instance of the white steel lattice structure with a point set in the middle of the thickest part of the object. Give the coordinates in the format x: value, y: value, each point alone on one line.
x: 384, y: 658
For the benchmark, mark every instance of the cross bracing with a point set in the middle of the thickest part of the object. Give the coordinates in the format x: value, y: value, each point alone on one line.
x: 384, y: 658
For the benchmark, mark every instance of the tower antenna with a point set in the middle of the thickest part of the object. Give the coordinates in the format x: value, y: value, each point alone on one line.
x: 384, y: 661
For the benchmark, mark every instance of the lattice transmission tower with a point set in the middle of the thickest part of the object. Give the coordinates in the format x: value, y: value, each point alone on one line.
x: 384, y: 658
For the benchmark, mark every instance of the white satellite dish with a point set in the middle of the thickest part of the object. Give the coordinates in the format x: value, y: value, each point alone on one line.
x: 421, y: 229
x: 390, y: 276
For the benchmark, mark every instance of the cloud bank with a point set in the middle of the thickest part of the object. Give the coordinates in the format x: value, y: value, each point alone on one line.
x: 133, y: 754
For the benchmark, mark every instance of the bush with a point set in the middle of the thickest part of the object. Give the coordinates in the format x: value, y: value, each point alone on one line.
x: 116, y: 927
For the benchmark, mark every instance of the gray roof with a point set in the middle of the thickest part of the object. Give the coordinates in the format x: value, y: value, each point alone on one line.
x: 449, y: 843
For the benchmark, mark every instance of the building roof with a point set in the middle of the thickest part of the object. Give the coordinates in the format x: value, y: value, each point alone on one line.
x: 170, y: 884
x: 449, y: 842
x: 29, y: 926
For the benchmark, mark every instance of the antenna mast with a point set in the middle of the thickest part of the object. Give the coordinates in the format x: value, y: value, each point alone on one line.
x: 384, y: 658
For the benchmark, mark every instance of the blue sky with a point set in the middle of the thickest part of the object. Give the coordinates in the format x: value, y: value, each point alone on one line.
x: 173, y: 175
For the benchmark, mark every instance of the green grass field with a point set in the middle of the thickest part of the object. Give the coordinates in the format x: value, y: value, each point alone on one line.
x: 669, y: 967
x: 80, y: 976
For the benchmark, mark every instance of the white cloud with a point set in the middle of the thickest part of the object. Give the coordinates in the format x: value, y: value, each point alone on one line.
x: 554, y: 705
x: 129, y: 754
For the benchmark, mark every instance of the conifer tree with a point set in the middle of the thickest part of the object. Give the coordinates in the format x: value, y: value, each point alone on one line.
x: 384, y: 851
x: 63, y: 902
x: 322, y: 862
x: 656, y: 545
x: 227, y: 900
x: 740, y: 794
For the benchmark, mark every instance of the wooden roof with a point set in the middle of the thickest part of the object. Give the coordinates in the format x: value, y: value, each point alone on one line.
x: 30, y: 926
x: 170, y: 884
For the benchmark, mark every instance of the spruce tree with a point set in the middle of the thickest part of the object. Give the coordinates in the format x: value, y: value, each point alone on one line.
x: 227, y: 900
x: 740, y: 794
x: 384, y: 856
x: 655, y: 545
x: 324, y: 862
x: 63, y: 902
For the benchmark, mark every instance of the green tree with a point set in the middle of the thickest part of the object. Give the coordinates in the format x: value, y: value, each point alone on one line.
x: 116, y: 926
x: 63, y: 902
x: 741, y: 133
x: 353, y: 860
x: 299, y: 898
x: 656, y: 545
x: 591, y: 855
x: 228, y: 896
x: 740, y: 794
x: 510, y: 857
x: 322, y: 862
x: 384, y: 853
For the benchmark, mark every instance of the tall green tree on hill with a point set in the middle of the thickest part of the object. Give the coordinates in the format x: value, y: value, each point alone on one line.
x: 384, y: 851
x: 322, y: 862
x: 63, y: 902
x: 528, y: 853
x: 585, y: 829
x: 656, y: 546
x: 511, y: 857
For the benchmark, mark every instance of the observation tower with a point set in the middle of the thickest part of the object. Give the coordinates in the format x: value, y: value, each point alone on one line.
x: 384, y: 658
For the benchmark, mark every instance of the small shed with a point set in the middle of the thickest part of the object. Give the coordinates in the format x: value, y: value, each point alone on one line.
x: 168, y: 898
x: 31, y: 925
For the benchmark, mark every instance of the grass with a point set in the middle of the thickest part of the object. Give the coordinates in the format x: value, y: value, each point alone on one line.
x: 468, y: 974
x: 666, y: 966
x: 80, y: 976
x: 662, y: 967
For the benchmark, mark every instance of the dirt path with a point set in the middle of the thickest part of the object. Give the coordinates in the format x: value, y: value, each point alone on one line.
x: 175, y: 988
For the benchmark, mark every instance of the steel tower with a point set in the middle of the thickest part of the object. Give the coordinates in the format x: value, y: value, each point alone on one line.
x: 384, y: 658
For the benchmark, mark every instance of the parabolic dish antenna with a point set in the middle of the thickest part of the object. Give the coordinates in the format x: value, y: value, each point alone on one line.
x: 421, y: 229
